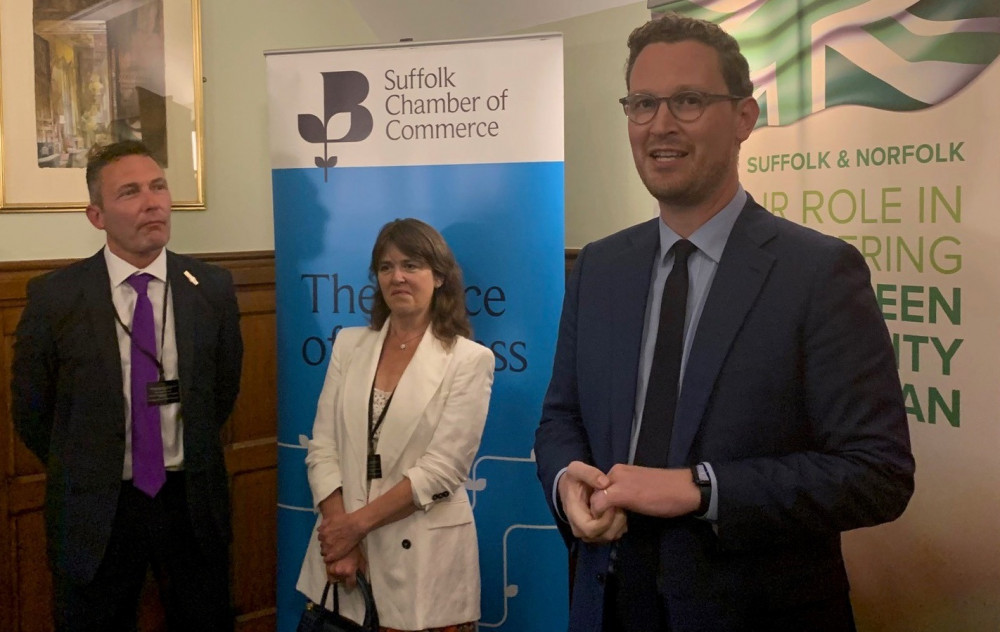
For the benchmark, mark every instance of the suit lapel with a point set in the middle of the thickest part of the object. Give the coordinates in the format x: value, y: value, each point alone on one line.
x: 186, y: 301
x: 359, y: 372
x: 96, y: 290
x: 419, y: 383
x: 742, y: 271
x: 629, y: 276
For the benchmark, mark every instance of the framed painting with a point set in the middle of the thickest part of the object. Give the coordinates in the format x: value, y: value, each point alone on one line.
x: 79, y: 73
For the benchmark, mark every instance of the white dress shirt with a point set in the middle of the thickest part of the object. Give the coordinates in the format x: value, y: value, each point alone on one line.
x: 124, y: 297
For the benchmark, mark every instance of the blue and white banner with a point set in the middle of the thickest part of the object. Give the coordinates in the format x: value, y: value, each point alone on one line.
x: 467, y: 136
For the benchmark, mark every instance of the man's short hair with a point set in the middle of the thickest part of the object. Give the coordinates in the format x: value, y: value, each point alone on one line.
x: 100, y: 156
x: 671, y: 27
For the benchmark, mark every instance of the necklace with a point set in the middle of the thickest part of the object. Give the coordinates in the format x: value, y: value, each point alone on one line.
x: 403, y: 344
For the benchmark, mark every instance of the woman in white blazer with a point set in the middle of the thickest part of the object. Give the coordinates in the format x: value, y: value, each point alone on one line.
x: 398, y: 424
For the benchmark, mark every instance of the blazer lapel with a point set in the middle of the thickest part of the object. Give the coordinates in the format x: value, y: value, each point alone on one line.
x: 629, y: 276
x: 96, y: 291
x: 419, y: 383
x: 742, y: 270
x: 359, y: 374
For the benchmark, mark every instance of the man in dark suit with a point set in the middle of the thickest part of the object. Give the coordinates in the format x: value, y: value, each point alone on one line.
x: 115, y: 505
x: 714, y: 499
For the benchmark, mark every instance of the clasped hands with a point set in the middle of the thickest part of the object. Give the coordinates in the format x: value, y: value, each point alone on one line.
x: 595, y: 503
x: 340, y: 544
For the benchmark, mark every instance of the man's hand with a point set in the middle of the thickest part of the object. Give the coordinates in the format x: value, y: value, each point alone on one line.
x: 647, y: 490
x: 338, y: 536
x: 576, y: 486
x: 346, y: 568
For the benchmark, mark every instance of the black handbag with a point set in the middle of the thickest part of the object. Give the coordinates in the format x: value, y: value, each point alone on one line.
x: 316, y: 618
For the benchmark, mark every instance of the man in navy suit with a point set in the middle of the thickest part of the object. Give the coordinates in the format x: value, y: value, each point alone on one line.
x: 788, y: 423
x: 73, y: 403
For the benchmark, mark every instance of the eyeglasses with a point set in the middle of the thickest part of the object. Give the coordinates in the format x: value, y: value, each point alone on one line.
x: 686, y: 106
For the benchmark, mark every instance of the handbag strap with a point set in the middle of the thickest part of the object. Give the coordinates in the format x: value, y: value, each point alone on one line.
x: 371, y: 614
x: 326, y: 591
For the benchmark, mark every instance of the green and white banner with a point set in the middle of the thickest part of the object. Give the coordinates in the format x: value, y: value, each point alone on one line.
x: 880, y: 125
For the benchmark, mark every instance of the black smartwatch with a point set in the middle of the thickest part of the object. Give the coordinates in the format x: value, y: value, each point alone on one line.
x: 704, y: 482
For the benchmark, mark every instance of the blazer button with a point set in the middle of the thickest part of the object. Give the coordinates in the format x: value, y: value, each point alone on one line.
x: 600, y: 578
x: 406, y: 544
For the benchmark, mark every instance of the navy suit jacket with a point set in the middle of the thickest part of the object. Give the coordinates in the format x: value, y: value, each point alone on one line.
x: 69, y: 408
x: 791, y: 392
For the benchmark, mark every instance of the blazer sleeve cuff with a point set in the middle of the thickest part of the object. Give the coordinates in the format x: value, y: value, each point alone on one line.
x: 423, y: 496
x: 324, y: 483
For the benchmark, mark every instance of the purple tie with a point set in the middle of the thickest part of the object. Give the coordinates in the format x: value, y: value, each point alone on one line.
x: 148, y: 473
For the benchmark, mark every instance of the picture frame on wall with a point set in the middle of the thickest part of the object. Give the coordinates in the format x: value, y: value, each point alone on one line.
x: 79, y: 73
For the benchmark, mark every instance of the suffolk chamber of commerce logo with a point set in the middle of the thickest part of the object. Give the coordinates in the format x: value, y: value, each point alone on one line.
x: 343, y: 92
x: 895, y: 55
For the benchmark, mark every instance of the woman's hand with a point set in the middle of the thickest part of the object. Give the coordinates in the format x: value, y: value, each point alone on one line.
x: 338, y: 536
x: 345, y: 569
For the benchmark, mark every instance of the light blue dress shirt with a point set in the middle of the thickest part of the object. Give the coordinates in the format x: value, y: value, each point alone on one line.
x: 710, y: 239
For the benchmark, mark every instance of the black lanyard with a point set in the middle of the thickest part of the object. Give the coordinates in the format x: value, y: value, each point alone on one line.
x: 375, y: 460
x: 163, y: 330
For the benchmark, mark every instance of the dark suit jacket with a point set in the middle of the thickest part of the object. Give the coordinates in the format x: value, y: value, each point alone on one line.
x: 791, y: 392
x: 69, y: 409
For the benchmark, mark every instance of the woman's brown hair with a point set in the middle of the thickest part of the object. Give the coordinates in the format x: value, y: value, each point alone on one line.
x: 420, y: 241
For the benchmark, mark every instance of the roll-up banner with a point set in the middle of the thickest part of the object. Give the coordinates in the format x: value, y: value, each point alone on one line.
x: 467, y: 136
x: 880, y: 125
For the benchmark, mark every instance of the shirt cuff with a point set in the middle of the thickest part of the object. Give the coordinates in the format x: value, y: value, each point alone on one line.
x: 712, y: 515
x: 555, y: 495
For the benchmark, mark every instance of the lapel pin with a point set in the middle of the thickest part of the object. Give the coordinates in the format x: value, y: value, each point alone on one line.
x: 191, y: 278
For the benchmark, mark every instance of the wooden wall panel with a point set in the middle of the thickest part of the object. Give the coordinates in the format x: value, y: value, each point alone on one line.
x: 34, y: 583
x: 251, y: 457
x: 255, y: 530
x: 8, y: 538
x: 253, y: 417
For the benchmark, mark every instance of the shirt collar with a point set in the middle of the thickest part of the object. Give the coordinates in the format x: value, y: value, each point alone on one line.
x: 711, y: 237
x: 119, y: 269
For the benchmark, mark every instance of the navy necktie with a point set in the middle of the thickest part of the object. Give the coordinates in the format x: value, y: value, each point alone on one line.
x: 148, y: 472
x: 664, y: 374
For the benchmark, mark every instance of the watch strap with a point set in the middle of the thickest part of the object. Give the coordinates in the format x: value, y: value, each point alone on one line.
x: 704, y: 483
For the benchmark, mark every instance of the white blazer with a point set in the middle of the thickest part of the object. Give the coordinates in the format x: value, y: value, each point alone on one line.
x: 424, y: 569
